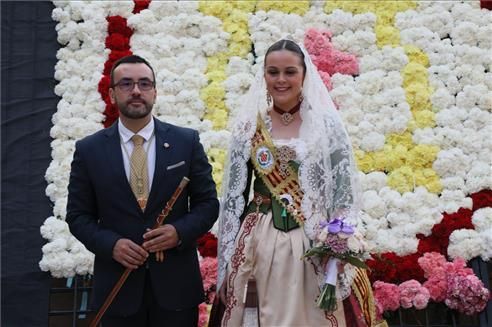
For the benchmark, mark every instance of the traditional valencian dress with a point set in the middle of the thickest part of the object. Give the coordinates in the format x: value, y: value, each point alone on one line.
x: 271, y: 242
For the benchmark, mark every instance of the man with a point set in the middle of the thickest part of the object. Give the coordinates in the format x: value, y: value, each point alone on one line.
x: 119, y: 184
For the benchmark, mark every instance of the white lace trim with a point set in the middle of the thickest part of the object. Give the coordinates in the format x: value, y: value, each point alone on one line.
x: 327, y: 173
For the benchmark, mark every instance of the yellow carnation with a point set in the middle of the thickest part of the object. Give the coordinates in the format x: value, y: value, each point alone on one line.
x: 425, y: 118
x: 422, y: 156
x: 414, y: 73
x: 404, y: 139
x: 387, y: 35
x: 364, y: 161
x: 429, y: 179
x: 216, y: 157
x: 402, y: 179
x: 396, y: 156
x: 219, y: 9
x: 245, y: 6
x: 213, y: 96
x: 299, y: 7
x: 416, y: 55
x: 418, y: 97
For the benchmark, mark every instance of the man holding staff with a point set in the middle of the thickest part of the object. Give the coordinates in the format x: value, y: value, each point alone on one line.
x: 120, y: 180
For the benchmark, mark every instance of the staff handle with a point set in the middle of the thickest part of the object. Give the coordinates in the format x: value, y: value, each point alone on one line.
x: 160, y: 219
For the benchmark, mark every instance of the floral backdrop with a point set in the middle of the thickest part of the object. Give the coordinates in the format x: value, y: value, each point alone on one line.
x: 412, y: 81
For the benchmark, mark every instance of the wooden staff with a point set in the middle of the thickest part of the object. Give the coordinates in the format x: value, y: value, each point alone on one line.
x: 160, y: 219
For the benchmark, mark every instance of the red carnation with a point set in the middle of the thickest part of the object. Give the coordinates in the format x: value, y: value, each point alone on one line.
x: 482, y: 199
x: 103, y: 88
x: 117, y: 24
x: 429, y: 244
x: 117, y: 54
x: 207, y: 245
x: 117, y: 41
x: 111, y: 113
x: 486, y: 4
x: 410, y: 269
x: 140, y: 5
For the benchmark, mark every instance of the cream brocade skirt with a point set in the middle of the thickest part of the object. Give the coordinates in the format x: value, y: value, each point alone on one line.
x: 287, y: 285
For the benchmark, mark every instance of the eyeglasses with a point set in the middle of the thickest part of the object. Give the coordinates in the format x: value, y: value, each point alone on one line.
x: 127, y: 85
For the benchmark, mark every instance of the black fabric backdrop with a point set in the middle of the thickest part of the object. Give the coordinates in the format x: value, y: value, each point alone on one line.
x: 28, y: 58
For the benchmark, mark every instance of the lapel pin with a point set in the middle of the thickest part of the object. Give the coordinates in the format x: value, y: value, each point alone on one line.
x: 166, y: 145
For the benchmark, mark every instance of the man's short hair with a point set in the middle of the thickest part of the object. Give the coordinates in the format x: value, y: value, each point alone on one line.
x: 132, y: 59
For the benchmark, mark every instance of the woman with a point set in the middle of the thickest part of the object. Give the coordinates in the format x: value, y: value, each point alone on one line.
x: 290, y: 137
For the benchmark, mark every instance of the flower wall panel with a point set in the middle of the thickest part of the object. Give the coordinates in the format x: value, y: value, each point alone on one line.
x: 412, y: 82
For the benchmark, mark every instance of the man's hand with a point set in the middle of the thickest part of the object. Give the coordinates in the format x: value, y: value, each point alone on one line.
x: 129, y: 254
x: 160, y: 239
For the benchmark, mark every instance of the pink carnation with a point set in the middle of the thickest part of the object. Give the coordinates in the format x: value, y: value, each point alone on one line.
x: 208, y: 270
x: 326, y: 58
x: 202, y: 315
x: 466, y: 294
x: 386, y: 296
x: 431, y: 261
x: 458, y: 267
x: 326, y: 80
x: 412, y: 293
x: 437, y: 286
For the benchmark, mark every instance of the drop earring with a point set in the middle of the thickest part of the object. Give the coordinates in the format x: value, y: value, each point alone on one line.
x: 269, y: 99
x: 301, y: 97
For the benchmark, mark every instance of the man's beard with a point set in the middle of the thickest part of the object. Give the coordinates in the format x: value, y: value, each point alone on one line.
x: 128, y: 110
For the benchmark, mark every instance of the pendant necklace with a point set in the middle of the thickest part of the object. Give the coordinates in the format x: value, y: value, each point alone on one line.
x: 287, y: 116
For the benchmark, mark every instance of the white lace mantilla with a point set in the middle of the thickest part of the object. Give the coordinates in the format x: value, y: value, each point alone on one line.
x: 327, y: 173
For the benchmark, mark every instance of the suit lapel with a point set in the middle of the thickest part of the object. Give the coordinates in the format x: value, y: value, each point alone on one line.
x: 162, y: 157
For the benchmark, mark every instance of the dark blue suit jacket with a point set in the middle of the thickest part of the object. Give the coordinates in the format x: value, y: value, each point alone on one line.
x: 101, y: 209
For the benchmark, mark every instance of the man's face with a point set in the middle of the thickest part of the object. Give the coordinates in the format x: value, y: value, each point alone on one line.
x: 132, y: 101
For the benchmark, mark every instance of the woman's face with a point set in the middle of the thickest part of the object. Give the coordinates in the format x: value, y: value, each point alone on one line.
x: 284, y: 75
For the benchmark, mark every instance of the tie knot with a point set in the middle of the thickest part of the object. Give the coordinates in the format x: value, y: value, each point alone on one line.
x: 137, y: 140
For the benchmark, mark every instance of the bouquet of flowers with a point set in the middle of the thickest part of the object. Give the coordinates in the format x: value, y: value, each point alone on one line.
x: 336, y: 240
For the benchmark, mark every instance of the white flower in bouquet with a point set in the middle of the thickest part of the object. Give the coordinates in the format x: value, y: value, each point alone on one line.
x: 332, y: 239
x: 357, y: 244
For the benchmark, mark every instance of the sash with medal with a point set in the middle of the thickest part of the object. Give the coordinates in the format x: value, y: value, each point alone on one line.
x: 278, y: 179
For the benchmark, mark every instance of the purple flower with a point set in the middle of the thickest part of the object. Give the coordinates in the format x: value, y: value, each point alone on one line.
x: 337, y: 225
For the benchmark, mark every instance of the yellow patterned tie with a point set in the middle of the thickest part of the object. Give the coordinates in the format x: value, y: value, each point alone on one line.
x: 139, y: 177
